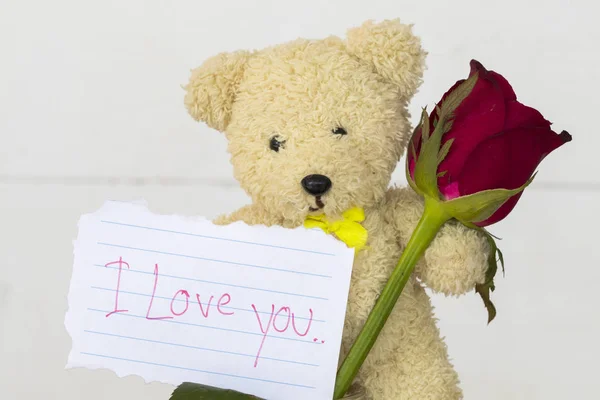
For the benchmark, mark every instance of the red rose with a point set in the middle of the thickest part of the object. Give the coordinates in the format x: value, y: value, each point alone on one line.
x: 470, y: 160
x: 494, y: 142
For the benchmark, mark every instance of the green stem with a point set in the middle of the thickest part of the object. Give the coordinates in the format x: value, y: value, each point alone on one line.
x: 430, y: 223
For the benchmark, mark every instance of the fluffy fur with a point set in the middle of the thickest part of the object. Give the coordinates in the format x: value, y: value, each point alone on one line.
x: 300, y: 92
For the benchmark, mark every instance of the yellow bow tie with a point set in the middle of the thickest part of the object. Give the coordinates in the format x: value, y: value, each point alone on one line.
x: 348, y: 229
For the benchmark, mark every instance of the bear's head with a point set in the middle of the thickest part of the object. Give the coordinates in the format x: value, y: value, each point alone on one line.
x: 314, y: 126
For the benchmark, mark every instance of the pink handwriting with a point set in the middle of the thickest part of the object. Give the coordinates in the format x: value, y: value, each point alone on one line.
x: 280, y: 321
x: 121, y: 263
x: 205, y: 314
x: 265, y: 330
x: 273, y: 323
x: 153, y: 294
x: 307, y: 326
x: 224, y: 303
x: 187, y: 303
x: 287, y: 322
x: 221, y: 304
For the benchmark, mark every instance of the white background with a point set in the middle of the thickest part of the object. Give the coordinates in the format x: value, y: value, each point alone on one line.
x: 91, y: 108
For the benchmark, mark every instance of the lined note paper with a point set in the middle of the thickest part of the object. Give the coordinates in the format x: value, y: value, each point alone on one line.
x: 171, y: 299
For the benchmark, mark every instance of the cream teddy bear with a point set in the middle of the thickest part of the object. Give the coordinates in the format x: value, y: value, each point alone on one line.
x: 317, y: 127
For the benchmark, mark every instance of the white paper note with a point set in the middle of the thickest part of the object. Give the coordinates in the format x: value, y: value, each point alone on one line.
x: 172, y: 299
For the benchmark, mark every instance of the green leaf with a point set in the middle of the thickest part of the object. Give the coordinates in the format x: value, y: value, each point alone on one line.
x: 484, y: 289
x: 425, y: 174
x: 494, y: 236
x: 195, y: 391
x: 424, y: 125
x: 438, y: 111
x: 407, y: 171
x: 426, y: 166
x: 440, y: 174
x: 492, y: 263
x: 453, y: 100
x: 501, y: 259
x: 444, y: 151
x: 447, y: 125
x: 479, y: 206
x: 411, y: 183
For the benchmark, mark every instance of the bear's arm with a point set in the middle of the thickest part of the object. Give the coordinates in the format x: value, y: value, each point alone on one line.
x: 456, y: 259
x: 251, y: 214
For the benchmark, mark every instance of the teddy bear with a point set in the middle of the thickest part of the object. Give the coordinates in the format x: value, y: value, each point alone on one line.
x: 316, y: 127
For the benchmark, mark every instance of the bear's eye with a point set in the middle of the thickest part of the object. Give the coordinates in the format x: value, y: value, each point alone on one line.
x: 276, y: 143
x: 339, y: 131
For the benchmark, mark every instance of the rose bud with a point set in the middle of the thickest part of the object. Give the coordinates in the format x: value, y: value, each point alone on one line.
x: 484, y: 144
x: 470, y: 160
x: 473, y: 157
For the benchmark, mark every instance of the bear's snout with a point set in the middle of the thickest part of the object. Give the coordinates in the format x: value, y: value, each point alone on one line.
x: 315, y: 184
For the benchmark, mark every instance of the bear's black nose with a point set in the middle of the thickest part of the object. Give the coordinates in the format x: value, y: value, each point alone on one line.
x: 316, y: 185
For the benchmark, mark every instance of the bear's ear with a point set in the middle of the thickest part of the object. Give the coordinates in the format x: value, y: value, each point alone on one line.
x: 393, y: 51
x: 212, y: 88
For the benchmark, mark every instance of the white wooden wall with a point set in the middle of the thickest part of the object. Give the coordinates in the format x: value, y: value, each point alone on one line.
x: 91, y: 109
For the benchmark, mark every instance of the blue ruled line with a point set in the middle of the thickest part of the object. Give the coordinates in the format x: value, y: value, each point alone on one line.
x: 197, y: 370
x: 170, y: 321
x: 214, y: 260
x: 199, y: 348
x: 212, y: 282
x: 215, y: 238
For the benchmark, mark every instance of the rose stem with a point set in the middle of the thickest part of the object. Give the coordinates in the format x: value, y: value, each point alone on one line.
x: 430, y: 223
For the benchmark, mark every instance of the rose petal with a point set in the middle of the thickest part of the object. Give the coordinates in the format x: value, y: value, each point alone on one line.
x: 450, y: 191
x: 476, y: 66
x: 505, y: 87
x: 478, y: 117
x: 521, y: 116
x: 506, y: 161
x: 507, y: 90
